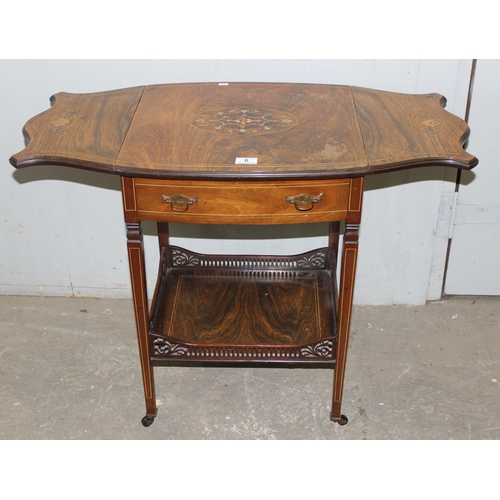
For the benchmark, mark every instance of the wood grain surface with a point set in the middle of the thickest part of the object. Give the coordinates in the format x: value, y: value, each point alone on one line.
x: 205, y: 127
x: 212, y: 308
x: 80, y: 130
x: 246, y: 130
x: 404, y: 130
x: 244, y: 202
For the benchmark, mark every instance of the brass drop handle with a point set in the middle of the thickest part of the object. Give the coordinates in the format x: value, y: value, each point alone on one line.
x: 179, y: 202
x: 304, y: 202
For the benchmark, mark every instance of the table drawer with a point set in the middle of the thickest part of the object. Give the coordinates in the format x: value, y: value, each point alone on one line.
x: 241, y: 202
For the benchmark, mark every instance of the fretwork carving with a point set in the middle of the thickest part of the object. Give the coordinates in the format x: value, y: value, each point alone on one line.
x: 184, y: 258
x: 322, y: 350
x: 314, y: 260
x: 164, y: 346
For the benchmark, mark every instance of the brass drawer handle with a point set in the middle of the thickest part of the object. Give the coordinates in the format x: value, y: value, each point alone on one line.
x: 179, y: 202
x: 304, y: 202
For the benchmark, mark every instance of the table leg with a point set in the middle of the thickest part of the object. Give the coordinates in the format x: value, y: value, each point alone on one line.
x: 346, y: 293
x: 333, y: 245
x: 348, y: 272
x: 163, y: 238
x: 135, y: 247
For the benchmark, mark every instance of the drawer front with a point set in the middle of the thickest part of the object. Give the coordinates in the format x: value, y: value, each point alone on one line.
x: 242, y: 202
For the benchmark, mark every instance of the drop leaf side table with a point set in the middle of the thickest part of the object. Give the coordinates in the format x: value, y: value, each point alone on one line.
x: 244, y: 153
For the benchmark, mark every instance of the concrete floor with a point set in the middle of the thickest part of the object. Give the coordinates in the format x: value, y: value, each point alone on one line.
x: 70, y: 370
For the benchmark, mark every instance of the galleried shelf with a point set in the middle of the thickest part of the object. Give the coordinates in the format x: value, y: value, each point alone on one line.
x: 244, y: 308
x: 248, y: 154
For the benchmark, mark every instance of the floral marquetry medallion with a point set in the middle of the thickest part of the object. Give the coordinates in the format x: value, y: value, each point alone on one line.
x: 255, y: 121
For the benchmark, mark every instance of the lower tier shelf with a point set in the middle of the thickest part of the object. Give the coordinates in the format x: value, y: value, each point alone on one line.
x: 244, y: 308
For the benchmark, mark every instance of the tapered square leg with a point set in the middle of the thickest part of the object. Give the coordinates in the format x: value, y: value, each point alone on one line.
x: 135, y: 247
x: 346, y: 294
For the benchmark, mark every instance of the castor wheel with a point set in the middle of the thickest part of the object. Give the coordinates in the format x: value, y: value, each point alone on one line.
x: 343, y: 420
x: 147, y: 421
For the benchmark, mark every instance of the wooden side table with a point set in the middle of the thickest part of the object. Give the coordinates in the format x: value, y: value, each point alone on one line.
x: 245, y: 153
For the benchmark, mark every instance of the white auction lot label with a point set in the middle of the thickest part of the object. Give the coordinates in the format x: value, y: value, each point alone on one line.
x: 249, y: 161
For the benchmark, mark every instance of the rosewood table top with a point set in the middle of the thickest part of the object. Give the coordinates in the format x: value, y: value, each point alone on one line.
x: 245, y: 130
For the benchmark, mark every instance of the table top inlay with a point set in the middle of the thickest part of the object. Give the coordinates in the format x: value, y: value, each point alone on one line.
x: 245, y: 130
